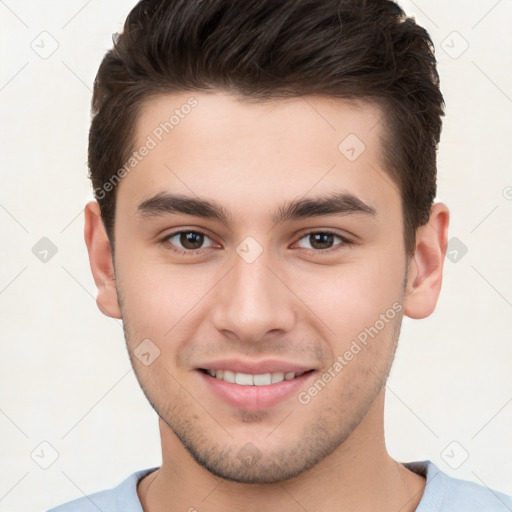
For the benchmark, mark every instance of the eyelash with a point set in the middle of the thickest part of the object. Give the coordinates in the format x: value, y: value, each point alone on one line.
x: 345, y: 242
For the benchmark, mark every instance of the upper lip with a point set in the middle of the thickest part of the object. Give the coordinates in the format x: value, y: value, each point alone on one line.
x: 255, y: 367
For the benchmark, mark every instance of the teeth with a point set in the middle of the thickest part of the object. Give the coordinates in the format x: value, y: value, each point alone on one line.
x: 262, y: 380
x: 277, y: 377
x: 228, y: 376
x: 245, y: 379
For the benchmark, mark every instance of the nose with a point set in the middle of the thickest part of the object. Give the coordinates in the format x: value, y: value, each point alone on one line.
x: 253, y: 302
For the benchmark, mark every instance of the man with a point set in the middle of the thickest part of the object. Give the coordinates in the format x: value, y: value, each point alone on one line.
x: 265, y: 175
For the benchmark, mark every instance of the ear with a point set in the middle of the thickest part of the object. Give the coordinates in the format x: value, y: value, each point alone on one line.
x: 100, y: 258
x: 425, y: 271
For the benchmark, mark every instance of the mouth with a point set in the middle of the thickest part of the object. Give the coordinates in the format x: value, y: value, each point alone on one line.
x: 254, y: 387
x: 247, y: 379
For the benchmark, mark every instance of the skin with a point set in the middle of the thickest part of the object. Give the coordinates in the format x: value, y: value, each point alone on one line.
x: 294, y: 303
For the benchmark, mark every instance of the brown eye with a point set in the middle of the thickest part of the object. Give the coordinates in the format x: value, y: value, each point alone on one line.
x: 191, y: 239
x: 187, y: 241
x: 321, y: 241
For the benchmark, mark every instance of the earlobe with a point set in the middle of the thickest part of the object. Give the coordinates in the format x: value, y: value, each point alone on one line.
x: 100, y: 259
x: 425, y: 272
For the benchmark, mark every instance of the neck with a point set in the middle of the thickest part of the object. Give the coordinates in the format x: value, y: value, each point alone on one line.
x: 358, y: 476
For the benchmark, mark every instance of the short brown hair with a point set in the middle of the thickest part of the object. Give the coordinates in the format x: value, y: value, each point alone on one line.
x: 268, y: 49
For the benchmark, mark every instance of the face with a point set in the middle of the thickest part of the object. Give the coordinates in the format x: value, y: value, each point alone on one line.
x: 256, y: 243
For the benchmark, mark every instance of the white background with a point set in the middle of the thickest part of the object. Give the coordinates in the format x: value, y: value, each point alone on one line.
x: 65, y: 374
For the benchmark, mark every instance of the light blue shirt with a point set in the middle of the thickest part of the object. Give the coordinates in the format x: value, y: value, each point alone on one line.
x: 442, y: 494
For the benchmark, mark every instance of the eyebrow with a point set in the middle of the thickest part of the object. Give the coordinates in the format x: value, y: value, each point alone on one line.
x: 340, y: 203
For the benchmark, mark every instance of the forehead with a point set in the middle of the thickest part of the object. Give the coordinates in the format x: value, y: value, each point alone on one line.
x: 216, y: 144
x: 235, y: 121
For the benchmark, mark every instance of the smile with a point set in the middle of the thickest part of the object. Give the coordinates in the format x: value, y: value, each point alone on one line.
x: 254, y: 391
x: 247, y: 379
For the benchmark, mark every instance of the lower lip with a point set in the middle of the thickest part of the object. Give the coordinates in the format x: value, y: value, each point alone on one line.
x: 255, y: 398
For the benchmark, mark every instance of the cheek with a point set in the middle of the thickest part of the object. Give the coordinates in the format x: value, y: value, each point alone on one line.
x: 161, y: 301
x: 150, y: 299
x: 349, y: 298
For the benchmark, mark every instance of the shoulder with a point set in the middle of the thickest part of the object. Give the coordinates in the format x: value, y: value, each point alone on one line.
x: 444, y: 493
x: 122, y: 498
